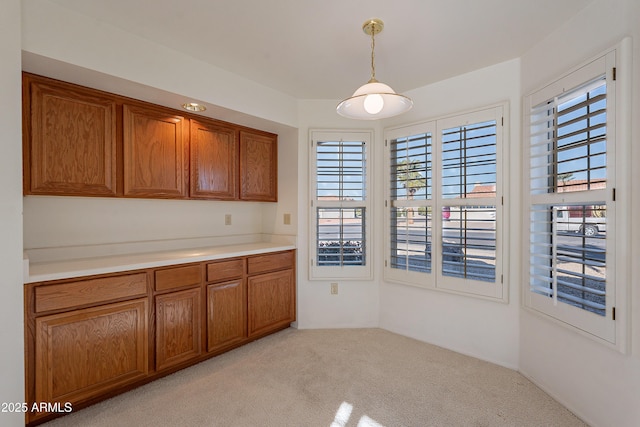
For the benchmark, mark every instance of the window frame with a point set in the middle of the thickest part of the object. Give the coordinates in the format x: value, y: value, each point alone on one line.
x: 342, y: 272
x: 407, y: 276
x: 610, y: 328
x: 435, y: 280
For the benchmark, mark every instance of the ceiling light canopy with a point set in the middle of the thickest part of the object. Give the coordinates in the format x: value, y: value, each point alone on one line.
x: 374, y: 100
x: 193, y: 106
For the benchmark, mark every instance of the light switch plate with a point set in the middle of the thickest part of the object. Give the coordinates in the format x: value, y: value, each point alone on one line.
x: 227, y: 219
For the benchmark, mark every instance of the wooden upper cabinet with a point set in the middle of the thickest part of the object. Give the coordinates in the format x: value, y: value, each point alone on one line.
x: 69, y: 139
x: 213, y: 161
x: 258, y: 166
x: 84, y: 142
x: 156, y: 156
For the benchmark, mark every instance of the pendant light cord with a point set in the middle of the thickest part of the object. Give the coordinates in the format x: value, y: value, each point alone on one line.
x: 373, y: 47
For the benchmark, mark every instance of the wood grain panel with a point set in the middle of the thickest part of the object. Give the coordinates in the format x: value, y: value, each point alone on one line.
x: 83, y: 353
x: 156, y: 159
x: 258, y: 166
x: 88, y: 292
x: 213, y: 160
x: 270, y: 262
x: 72, y: 147
x: 178, y: 277
x: 225, y: 270
x: 226, y: 314
x: 178, y: 327
x: 271, y: 301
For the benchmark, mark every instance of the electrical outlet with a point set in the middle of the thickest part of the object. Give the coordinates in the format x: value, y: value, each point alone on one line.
x: 227, y: 219
x: 287, y: 219
x: 334, y: 289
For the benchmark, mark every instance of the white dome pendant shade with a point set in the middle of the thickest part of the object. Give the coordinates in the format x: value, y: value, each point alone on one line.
x: 374, y: 100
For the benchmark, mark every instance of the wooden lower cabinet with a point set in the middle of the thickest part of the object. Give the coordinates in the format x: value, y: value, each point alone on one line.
x: 271, y: 301
x: 178, y: 328
x: 90, y: 338
x: 84, y: 353
x: 226, y: 314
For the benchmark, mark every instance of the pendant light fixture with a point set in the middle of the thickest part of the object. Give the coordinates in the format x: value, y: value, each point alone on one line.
x: 374, y: 100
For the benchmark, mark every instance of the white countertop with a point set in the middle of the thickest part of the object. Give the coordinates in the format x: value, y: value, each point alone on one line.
x: 43, y: 271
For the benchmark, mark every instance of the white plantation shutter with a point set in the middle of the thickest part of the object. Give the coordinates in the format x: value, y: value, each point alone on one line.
x: 571, y: 207
x: 340, y: 206
x: 411, y: 208
x: 469, y: 169
x: 471, y: 193
x: 444, y: 209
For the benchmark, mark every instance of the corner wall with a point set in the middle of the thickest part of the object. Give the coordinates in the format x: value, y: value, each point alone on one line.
x: 484, y: 329
x: 356, y: 305
x: 599, y: 384
x: 11, y: 298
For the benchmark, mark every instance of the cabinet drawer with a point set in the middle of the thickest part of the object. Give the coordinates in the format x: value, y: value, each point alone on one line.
x: 87, y: 292
x: 178, y: 277
x: 225, y: 270
x: 276, y: 261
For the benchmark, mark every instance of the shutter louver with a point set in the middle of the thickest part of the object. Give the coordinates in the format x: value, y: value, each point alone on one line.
x: 410, y: 216
x: 340, y: 212
x: 568, y: 212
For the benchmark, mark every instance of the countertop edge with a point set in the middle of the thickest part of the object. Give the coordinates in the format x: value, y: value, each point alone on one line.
x: 69, y: 269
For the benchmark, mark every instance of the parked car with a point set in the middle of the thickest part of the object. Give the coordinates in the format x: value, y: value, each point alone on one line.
x: 588, y: 221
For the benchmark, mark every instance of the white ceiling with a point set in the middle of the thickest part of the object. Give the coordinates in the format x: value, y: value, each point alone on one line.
x: 317, y: 49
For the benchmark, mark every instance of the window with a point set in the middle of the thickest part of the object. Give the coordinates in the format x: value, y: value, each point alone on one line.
x: 340, y: 205
x: 469, y: 167
x: 411, y: 202
x: 444, y: 204
x: 571, y: 157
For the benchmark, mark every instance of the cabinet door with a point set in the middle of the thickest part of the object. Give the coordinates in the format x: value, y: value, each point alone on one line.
x: 177, y: 327
x: 214, y: 161
x: 70, y: 140
x: 258, y: 167
x: 156, y: 159
x: 84, y: 353
x: 271, y: 301
x: 226, y: 314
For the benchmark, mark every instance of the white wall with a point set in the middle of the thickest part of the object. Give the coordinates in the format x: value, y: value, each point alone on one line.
x: 11, y: 301
x: 599, y: 384
x: 273, y: 214
x: 62, y: 44
x: 484, y: 329
x: 52, y: 31
x: 76, y: 221
x: 356, y: 304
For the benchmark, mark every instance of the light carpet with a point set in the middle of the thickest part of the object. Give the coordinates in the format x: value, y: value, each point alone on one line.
x: 338, y: 378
